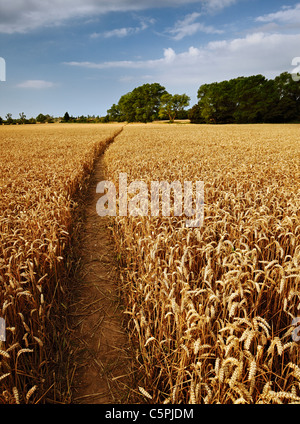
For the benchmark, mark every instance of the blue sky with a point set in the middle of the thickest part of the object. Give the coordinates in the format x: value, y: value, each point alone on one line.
x: 81, y: 56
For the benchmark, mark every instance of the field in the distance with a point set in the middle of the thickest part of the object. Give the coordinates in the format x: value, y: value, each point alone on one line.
x: 214, y: 310
x: 211, y: 310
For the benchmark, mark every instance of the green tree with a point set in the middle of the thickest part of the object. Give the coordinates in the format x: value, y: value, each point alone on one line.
x: 172, y: 104
x: 114, y: 113
x: 217, y: 102
x: 195, y: 116
x: 288, y: 90
x: 41, y: 118
x: 44, y: 118
x: 9, y: 119
x: 22, y: 118
x: 251, y: 99
x: 49, y: 119
x: 206, y: 102
x: 66, y: 117
x: 226, y: 102
x: 141, y: 104
x: 128, y: 107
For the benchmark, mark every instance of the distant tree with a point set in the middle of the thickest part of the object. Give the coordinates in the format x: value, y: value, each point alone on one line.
x: 22, y: 118
x: 194, y: 115
x: 172, y: 104
x: 103, y: 119
x: 128, y: 107
x: 66, y: 117
x: 49, y: 119
x: 44, y: 118
x: 141, y: 104
x: 9, y: 119
x: 1, y: 120
x: 251, y: 99
x: 226, y: 102
x: 206, y: 103
x: 41, y: 118
x: 182, y: 114
x: 114, y: 113
x: 288, y: 106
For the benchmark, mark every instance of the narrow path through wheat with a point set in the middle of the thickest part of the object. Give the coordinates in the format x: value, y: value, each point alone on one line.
x: 101, y: 341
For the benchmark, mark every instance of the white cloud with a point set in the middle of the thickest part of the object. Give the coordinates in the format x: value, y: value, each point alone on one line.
x: 124, y: 32
x: 169, y: 55
x: 23, y: 15
x: 217, y: 5
x: 36, y: 84
x: 188, y: 26
x: 168, y: 58
x: 287, y: 15
x: 253, y: 54
x: 120, y: 32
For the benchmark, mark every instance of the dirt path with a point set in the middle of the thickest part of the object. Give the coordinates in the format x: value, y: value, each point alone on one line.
x: 102, y: 347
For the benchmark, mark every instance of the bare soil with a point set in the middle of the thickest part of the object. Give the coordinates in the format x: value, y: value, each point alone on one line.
x: 102, y: 347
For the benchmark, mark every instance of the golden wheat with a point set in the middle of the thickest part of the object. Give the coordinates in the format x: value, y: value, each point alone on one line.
x: 212, y: 308
x: 43, y: 170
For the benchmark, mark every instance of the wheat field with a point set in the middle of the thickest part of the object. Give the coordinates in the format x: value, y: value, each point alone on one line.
x: 43, y: 171
x: 212, y: 310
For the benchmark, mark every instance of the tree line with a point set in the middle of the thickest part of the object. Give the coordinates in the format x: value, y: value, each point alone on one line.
x: 49, y: 119
x: 253, y: 99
